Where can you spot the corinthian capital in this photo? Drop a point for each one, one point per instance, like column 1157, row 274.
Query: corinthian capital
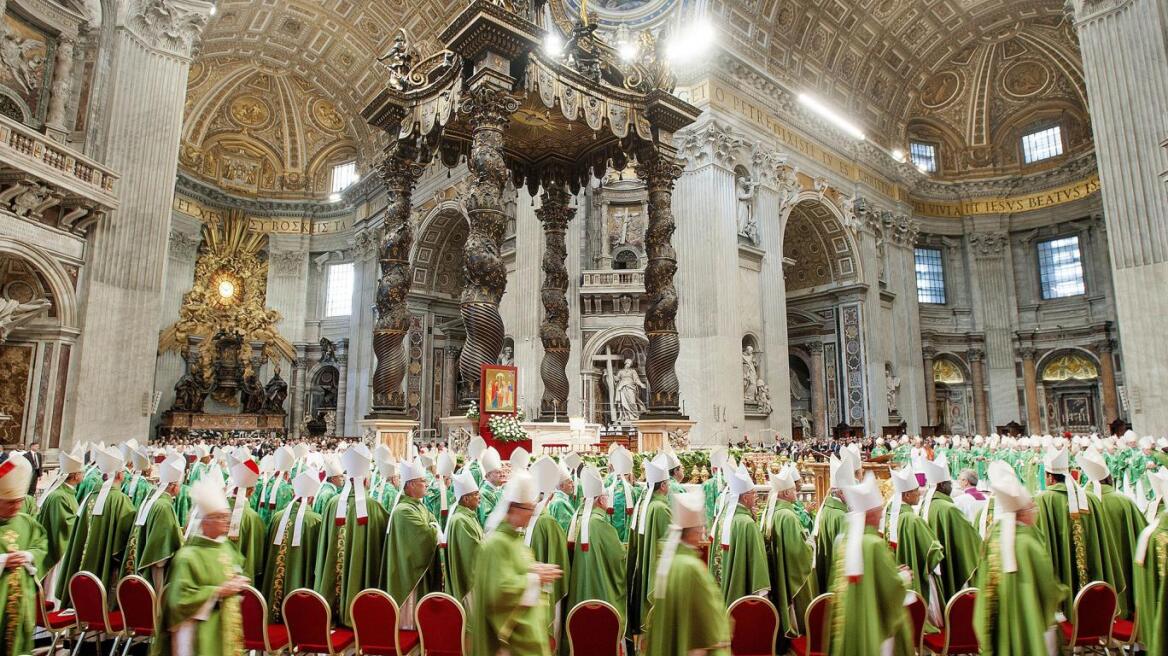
column 169, row 25
column 711, row 143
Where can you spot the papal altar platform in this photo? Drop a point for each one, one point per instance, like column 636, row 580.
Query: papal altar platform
column 174, row 423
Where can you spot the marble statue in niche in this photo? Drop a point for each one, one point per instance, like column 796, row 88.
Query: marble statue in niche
column 749, row 374
column 744, row 188
column 762, row 397
column 13, row 313
column 628, row 386
column 799, row 391
column 507, row 356
column 275, row 392
column 891, row 387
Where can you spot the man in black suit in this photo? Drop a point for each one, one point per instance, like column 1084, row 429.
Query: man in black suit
column 33, row 455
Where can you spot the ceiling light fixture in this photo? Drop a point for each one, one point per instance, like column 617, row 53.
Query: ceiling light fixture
column 829, row 114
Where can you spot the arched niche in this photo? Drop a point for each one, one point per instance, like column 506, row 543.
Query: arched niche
column 437, row 252
column 953, row 381
column 602, row 356
column 1069, row 391
column 818, row 249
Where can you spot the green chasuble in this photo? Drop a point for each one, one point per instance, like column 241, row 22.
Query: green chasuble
column 348, row 556
column 98, row 543
column 865, row 614
column 18, row 614
column 598, row 572
column 288, row 567
column 1124, row 523
column 1013, row 610
column 917, row 549
column 622, row 508
column 137, row 488
column 57, row 515
column 561, row 509
column 508, row 610
column 156, row 541
column 250, row 543
column 182, row 504
column 549, row 544
column 690, row 616
column 960, row 543
column 804, row 516
column 197, row 471
column 463, row 538
column 657, row 519
column 200, row 567
column 1151, row 590
column 488, row 497
column 29, row 506
column 433, row 500
column 410, row 560
column 1080, row 552
column 832, row 521
column 789, row 562
column 327, row 491
column 89, row 483
column 284, row 494
column 712, row 493
column 742, row 567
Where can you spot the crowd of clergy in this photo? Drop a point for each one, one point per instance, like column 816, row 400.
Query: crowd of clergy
column 1032, row 521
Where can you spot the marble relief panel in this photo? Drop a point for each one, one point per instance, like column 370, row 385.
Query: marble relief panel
column 24, row 69
column 16, row 364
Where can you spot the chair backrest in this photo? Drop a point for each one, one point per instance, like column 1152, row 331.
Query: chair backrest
column 441, row 623
column 755, row 625
column 89, row 601
column 917, row 612
column 42, row 619
column 137, row 602
column 374, row 615
column 959, row 630
column 254, row 609
column 816, row 623
column 309, row 621
column 1094, row 613
column 594, row 629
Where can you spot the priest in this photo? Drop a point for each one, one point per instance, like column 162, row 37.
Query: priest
column 489, row 491
column 654, row 515
column 137, row 486
column 622, row 491
column 350, row 548
column 913, row 541
column 562, row 507
column 462, row 536
column 547, row 541
column 99, row 537
column 509, row 611
column 788, row 555
column 959, row 540
column 831, row 519
column 737, row 555
column 277, row 493
column 246, row 530
column 23, row 546
column 334, row 479
column 292, row 544
column 687, row 616
column 202, row 607
column 1018, row 592
column 156, row 535
column 410, row 565
column 58, row 513
column 598, row 557
column 867, row 614
column 1151, row 581
column 1122, row 519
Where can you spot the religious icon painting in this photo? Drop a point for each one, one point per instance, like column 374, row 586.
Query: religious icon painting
column 498, row 385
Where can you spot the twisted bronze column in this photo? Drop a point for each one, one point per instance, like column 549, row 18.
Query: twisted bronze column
column 555, row 214
column 488, row 110
column 659, row 171
column 399, row 171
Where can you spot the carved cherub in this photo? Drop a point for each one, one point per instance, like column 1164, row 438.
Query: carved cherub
column 399, row 59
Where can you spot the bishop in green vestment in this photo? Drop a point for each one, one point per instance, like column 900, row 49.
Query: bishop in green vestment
column 156, row 535
column 201, row 611
column 1151, row 585
column 652, row 527
column 910, row 536
column 687, row 616
column 1018, row 592
column 332, row 484
column 410, row 565
column 246, row 530
column 1123, row 521
column 349, row 552
column 959, row 540
column 489, row 491
column 623, row 492
column 867, row 613
column 58, row 513
column 23, row 545
column 547, row 541
column 598, row 557
column 738, row 556
column 463, row 536
column 291, row 545
column 561, row 507
column 102, row 529
column 788, row 555
column 830, row 521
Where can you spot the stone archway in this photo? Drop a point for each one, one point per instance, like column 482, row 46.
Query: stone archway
column 1069, row 391
column 954, row 389
column 602, row 356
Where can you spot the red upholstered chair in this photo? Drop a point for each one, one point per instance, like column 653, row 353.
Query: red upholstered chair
column 94, row 618
column 958, row 636
column 375, row 620
column 441, row 623
column 57, row 623
column 310, row 624
column 1125, row 633
column 754, row 626
column 917, row 612
column 138, row 605
column 594, row 629
column 814, row 642
column 258, row 634
column 1091, row 618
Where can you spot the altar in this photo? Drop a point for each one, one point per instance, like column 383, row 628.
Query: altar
column 180, row 424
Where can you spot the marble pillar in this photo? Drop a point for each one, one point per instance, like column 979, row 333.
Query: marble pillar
column 928, row 356
column 449, row 380
column 819, row 425
column 342, row 386
column 1124, row 46
column 554, row 213
column 1030, row 390
column 774, row 308
column 126, row 258
column 298, row 393
column 1107, row 383
column 980, row 414
column 993, row 287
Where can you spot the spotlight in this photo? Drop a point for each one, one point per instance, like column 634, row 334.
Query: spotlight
column 898, row 155
column 553, row 45
column 827, row 113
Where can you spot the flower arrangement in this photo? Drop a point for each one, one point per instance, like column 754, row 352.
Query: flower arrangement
column 473, row 411
column 507, row 428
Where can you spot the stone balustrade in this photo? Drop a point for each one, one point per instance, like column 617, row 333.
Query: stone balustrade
column 612, row 291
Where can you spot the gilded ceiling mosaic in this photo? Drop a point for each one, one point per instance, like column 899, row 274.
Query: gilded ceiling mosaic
column 819, row 247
